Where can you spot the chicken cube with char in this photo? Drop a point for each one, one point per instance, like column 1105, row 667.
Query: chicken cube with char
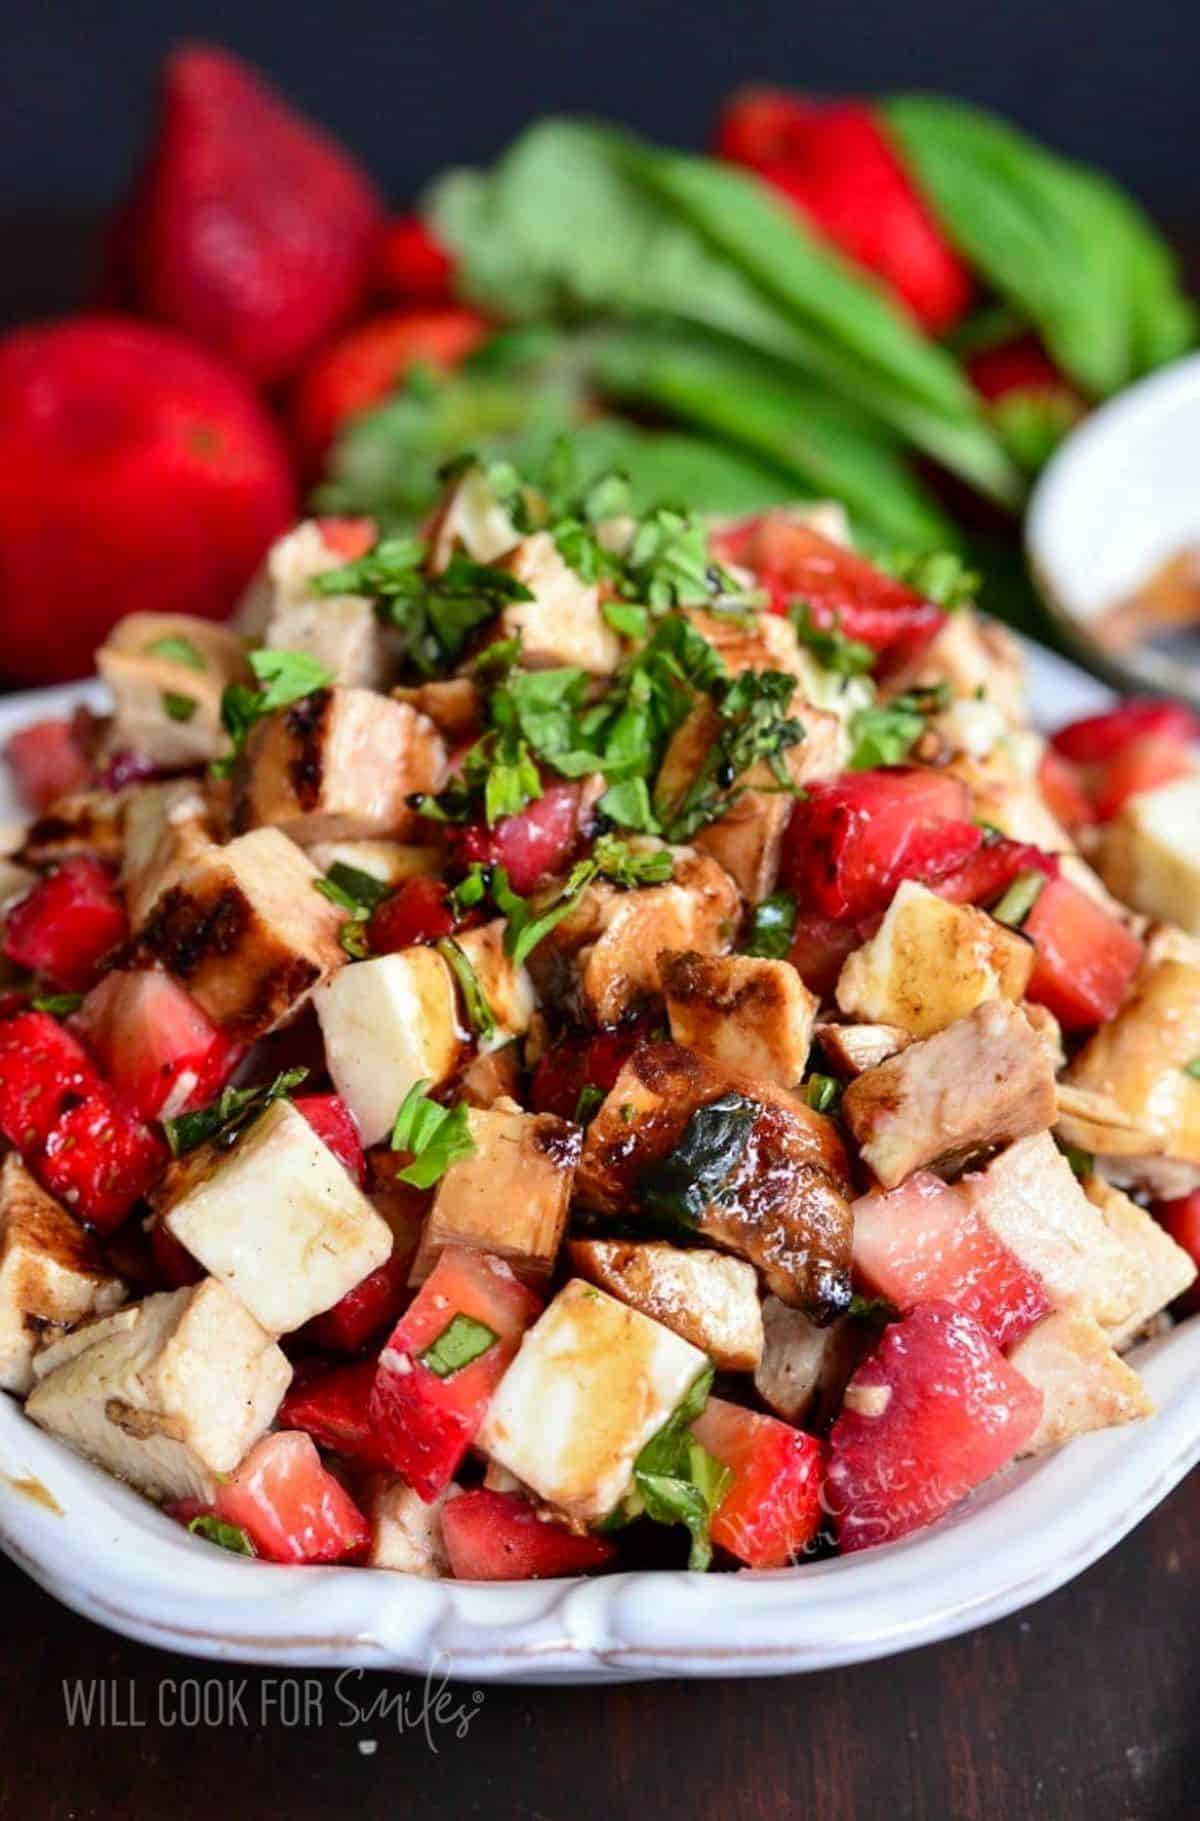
column 930, row 963
column 166, row 827
column 470, row 518
column 982, row 1082
column 406, row 1531
column 1084, row 1383
column 1163, row 1269
column 277, row 1219
column 564, row 623
column 744, row 1012
column 338, row 765
column 508, row 990
column 166, row 1394
column 244, row 930
column 979, row 659
column 167, row 673
column 710, row 1299
column 52, row 1273
column 510, row 1196
column 738, row 1162
column 389, row 1023
column 592, row 1382
column 804, row 1369
column 1150, row 853
column 281, row 611
column 88, row 822
column 453, row 704
column 602, row 959
column 852, row 1049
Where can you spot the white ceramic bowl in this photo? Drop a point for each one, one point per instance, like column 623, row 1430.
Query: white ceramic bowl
column 1120, row 497
column 109, row 1554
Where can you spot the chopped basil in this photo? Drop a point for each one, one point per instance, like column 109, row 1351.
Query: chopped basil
column 352, row 890
column 228, row 1115
column 1019, row 899
column 478, row 1010
column 679, row 1187
column 226, row 1536
column 771, row 927
column 434, row 615
column 822, row 1093
column 755, row 725
column 885, row 734
column 876, row 1311
column 631, row 622
column 178, row 707
column 59, row 1005
column 610, row 858
column 1082, row 1162
column 845, row 657
column 464, row 1339
column 284, row 677
column 436, row 1135
column 1191, row 1068
column 591, row 1099
column 176, row 650
column 939, row 576
column 352, row 939
column 678, row 1481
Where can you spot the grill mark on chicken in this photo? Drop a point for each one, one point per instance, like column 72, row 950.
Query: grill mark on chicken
column 307, row 724
column 184, row 932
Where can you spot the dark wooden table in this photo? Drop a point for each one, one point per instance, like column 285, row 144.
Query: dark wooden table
column 1083, row 1708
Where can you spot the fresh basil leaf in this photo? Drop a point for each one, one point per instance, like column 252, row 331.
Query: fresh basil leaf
column 284, row 677
column 629, row 621
column 829, row 645
column 772, row 924
column 176, row 650
column 352, row 938
column 755, row 725
column 823, row 1093
column 588, row 1103
column 226, row 1117
column 939, row 576
column 627, row 803
column 681, row 1186
column 1019, row 899
column 59, row 1005
column 631, row 867
column 1191, row 1068
column 677, row 1480
column 437, row 1136
column 479, row 1012
column 460, row 1342
column 885, row 733
column 226, row 1536
column 1082, row 1162
column 178, row 707
column 363, row 887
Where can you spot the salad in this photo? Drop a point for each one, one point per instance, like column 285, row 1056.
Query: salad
column 586, row 1039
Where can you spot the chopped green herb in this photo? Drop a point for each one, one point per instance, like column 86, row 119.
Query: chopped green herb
column 479, row 1012
column 631, row 622
column 877, row 1311
column 59, row 1005
column 678, row 1481
column 829, row 645
column 226, row 1536
column 755, row 726
column 885, row 733
column 352, row 938
column 1191, row 1068
column 463, row 1339
column 352, row 890
column 1082, row 1162
column 611, row 858
column 591, row 1099
column 1019, row 899
column 436, row 1135
column 679, row 1187
column 178, row 707
column 939, row 576
column 226, row 1117
column 473, row 889
column 176, row 650
column 771, row 925
column 284, row 677
column 823, row 1093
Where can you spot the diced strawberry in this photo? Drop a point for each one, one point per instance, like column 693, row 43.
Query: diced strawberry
column 498, row 1536
column 291, row 1507
column 43, row 1070
column 47, row 762
column 1142, row 765
column 425, row 1422
column 1062, row 787
column 418, row 912
column 923, row 1242
column 991, row 870
column 795, row 563
column 1181, row 1218
column 772, row 1511
column 539, row 841
column 576, row 1062
column 126, row 767
column 372, row 1305
column 331, row 1403
column 1086, row 960
column 153, row 1042
column 348, row 538
column 67, row 923
column 335, row 1125
column 931, row 1414
column 176, row 1267
column 411, row 265
column 820, row 946
column 1099, row 737
column 850, row 842
column 99, row 1159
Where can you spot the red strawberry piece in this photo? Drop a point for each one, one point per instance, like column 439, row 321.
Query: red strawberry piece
column 1086, row 960
column 291, row 1507
column 47, row 762
column 349, row 538
column 540, row 840
column 135, row 470
column 331, row 1403
column 418, row 912
column 1062, row 786
column 176, row 1267
column 991, row 870
column 364, row 365
column 498, row 1536
column 334, row 1124
column 834, row 162
column 99, row 1159
column 851, row 841
column 1099, row 737
column 576, row 1062
column 66, row 923
column 411, row 265
column 772, row 1509
column 372, row 1305
column 819, row 946
column 43, row 1069
column 931, row 1414
column 251, row 230
column 1143, row 765
column 154, row 1044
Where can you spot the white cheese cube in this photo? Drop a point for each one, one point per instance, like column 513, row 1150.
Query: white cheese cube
column 387, row 1024
column 406, row 1533
column 165, row 1394
column 1084, row 1383
column 279, row 1221
column 1150, row 856
column 52, row 1273
column 593, row 1381
column 510, row 1196
column 1164, row 1270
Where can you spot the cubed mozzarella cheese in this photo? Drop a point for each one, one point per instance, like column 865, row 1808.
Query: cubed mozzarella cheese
column 406, row 1533
column 750, row 1014
column 511, row 1195
column 1084, row 1383
column 507, row 989
column 387, row 1024
column 279, row 1220
column 280, row 610
column 52, row 1273
column 1150, row 855
column 709, row 1299
column 166, row 1394
column 1164, row 1270
column 593, row 1381
column 563, row 624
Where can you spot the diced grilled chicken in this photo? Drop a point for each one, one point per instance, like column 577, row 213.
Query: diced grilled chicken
column 277, row 1219
column 709, row 1299
column 931, row 962
column 510, row 1196
column 280, row 611
column 564, row 623
column 1005, row 793
column 744, row 1012
column 166, row 1394
column 491, row 1076
column 166, row 827
column 406, row 1533
column 244, row 930
column 1031, row 1200
column 507, row 989
column 1084, row 1383
column 979, row 659
column 782, row 1204
column 1164, row 1269
column 804, row 1369
column 387, row 1024
column 339, row 765
column 602, row 960
column 1139, row 1060
column 981, row 1082
column 1049, row 1032
column 167, row 672
column 1150, row 853
column 87, row 823
column 592, row 1382
column 453, row 704
column 852, row 1049
column 1167, row 942
column 757, row 641
column 52, row 1273
column 470, row 518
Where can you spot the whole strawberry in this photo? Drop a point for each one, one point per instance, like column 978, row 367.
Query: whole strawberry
column 135, row 472
column 249, row 229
